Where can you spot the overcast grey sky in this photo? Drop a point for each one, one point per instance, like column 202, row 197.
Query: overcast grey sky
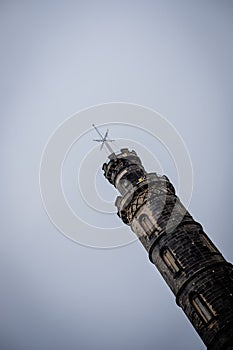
column 58, row 57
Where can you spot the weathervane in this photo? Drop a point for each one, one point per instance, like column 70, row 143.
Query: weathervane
column 104, row 140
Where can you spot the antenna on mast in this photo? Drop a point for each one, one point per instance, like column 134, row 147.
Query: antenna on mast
column 104, row 140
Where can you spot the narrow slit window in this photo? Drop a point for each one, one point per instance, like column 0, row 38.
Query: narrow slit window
column 146, row 224
column 210, row 245
column 170, row 260
column 201, row 308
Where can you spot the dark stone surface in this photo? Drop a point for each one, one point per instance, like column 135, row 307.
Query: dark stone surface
column 193, row 266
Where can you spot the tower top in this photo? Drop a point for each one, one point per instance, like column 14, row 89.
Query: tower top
column 124, row 169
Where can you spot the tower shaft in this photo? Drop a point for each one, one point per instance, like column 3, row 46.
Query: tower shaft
column 194, row 269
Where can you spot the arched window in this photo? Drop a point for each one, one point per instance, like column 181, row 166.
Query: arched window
column 146, row 224
column 201, row 307
column 210, row 244
column 170, row 260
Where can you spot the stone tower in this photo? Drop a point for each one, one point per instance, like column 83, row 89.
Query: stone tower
column 195, row 270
